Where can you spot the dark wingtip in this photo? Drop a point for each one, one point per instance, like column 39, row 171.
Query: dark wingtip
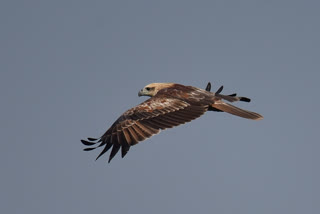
column 100, row 155
column 219, row 90
column 89, row 149
column 92, row 139
column 208, row 88
column 114, row 151
column 110, row 158
column 105, row 149
column 245, row 99
column 87, row 143
column 124, row 150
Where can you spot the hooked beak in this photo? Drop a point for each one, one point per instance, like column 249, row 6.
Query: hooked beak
column 140, row 93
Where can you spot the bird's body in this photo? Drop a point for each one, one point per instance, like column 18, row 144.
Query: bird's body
column 170, row 105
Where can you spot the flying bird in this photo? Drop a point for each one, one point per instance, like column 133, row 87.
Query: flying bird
column 170, row 105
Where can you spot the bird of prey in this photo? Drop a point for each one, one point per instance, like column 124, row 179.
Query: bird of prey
column 170, row 105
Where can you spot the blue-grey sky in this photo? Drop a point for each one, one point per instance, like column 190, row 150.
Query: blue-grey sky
column 70, row 68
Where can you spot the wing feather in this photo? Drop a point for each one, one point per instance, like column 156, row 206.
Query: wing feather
column 108, row 144
column 114, row 151
column 148, row 130
column 145, row 120
column 124, row 150
column 146, row 133
column 170, row 120
column 139, row 132
column 160, row 124
column 127, row 136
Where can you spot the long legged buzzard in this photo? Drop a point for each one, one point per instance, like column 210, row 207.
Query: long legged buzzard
column 170, row 105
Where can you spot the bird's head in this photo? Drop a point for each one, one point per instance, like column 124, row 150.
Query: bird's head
column 153, row 88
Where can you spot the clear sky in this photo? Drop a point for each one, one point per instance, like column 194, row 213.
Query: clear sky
column 70, row 68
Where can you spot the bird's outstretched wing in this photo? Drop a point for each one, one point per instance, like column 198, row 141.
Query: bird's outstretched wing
column 143, row 121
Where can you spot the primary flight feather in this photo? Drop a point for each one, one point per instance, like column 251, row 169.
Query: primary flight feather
column 170, row 105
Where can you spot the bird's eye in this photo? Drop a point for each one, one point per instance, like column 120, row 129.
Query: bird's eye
column 148, row 89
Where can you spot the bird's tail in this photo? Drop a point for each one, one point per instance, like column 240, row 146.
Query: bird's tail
column 226, row 107
column 219, row 105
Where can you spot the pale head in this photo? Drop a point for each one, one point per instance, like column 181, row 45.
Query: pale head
column 153, row 88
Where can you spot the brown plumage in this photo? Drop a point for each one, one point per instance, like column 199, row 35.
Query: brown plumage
column 170, row 105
